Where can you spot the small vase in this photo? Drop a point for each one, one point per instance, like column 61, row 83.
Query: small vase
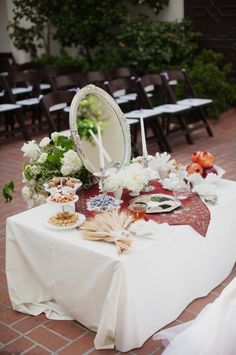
column 118, row 193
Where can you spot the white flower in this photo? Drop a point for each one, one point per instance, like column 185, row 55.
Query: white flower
column 44, row 142
column 43, row 157
column 26, row 192
column 113, row 181
column 54, row 136
column 134, row 177
column 66, row 170
column 70, row 163
column 35, row 170
column 31, row 150
column 162, row 163
column 40, row 199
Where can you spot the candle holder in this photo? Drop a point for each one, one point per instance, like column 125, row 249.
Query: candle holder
column 101, row 176
column 147, row 187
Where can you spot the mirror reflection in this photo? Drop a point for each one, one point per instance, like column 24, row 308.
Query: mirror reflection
column 94, row 110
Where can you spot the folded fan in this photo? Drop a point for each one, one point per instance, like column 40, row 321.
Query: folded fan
column 109, row 226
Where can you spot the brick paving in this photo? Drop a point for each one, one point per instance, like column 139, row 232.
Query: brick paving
column 23, row 334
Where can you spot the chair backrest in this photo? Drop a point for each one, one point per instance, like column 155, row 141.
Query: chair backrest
column 29, row 66
column 7, row 62
column 95, row 77
column 67, row 82
column 154, row 80
column 126, row 84
column 8, row 96
column 24, row 79
column 52, row 99
column 122, row 72
column 129, row 86
column 181, row 77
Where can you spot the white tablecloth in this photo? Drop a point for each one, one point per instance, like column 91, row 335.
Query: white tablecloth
column 124, row 298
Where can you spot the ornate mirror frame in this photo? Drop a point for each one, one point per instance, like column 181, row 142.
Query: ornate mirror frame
column 103, row 95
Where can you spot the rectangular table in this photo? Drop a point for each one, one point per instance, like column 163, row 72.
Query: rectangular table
column 124, row 298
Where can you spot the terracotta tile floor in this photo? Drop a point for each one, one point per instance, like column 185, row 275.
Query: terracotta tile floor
column 23, row 334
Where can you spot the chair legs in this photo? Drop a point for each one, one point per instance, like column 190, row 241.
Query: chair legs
column 185, row 128
column 22, row 125
column 161, row 138
column 205, row 122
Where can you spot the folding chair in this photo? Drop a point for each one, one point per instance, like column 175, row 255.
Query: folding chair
column 11, row 111
column 70, row 81
column 53, row 105
column 95, row 77
column 190, row 98
column 122, row 72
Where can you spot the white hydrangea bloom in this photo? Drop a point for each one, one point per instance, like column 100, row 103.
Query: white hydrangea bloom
column 35, row 170
column 54, row 136
column 70, row 163
column 42, row 158
column 66, row 170
column 26, row 192
column 40, row 199
column 134, row 177
column 44, row 142
column 31, row 150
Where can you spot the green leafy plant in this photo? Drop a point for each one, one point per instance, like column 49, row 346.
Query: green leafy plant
column 148, row 46
column 7, row 191
column 52, row 157
column 212, row 80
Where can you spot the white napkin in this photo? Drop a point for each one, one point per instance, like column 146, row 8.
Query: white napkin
column 147, row 229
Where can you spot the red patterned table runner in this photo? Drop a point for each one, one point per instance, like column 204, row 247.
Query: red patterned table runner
column 193, row 211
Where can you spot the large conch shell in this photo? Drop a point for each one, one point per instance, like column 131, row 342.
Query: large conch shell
column 111, row 227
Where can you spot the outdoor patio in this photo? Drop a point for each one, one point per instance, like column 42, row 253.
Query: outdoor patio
column 23, row 334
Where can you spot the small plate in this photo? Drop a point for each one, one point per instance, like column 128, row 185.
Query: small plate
column 62, row 203
column 157, row 203
column 64, row 188
column 81, row 220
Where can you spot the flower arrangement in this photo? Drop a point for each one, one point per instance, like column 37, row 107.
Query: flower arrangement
column 132, row 177
column 54, row 156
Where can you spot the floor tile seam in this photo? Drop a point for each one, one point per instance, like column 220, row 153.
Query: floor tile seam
column 31, row 329
column 159, row 348
column 192, row 312
column 37, row 344
column 6, row 305
column 29, row 349
column 79, row 325
column 87, row 352
column 11, row 341
column 59, row 334
column 16, row 322
column 73, row 341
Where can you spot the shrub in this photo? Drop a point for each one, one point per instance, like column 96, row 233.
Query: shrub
column 211, row 79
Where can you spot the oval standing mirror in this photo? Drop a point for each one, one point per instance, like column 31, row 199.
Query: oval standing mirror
column 90, row 107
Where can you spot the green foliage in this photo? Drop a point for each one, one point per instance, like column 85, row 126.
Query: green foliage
column 211, row 79
column 64, row 60
column 7, row 191
column 85, row 25
column 35, row 34
column 90, row 114
column 50, row 158
column 147, row 46
column 156, row 5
